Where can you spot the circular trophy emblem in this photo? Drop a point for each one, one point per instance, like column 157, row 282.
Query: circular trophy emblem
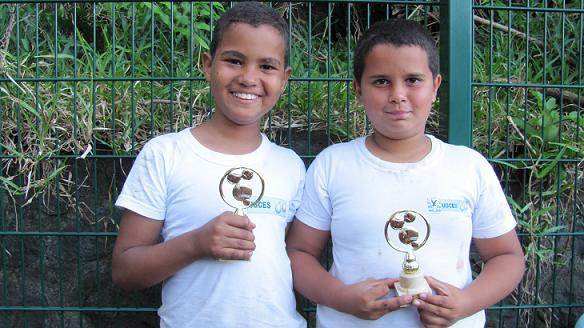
column 407, row 231
column 240, row 188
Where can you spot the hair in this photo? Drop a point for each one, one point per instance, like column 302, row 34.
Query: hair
column 395, row 32
column 255, row 14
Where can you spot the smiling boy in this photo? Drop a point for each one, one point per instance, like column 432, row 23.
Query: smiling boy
column 172, row 191
column 352, row 188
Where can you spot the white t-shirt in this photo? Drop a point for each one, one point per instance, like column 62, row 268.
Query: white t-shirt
column 351, row 193
column 176, row 179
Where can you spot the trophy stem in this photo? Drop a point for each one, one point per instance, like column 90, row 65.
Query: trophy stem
column 239, row 211
column 410, row 264
column 412, row 281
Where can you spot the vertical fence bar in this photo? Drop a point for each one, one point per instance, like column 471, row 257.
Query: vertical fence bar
column 456, row 56
column 190, row 54
column 20, row 199
column 577, row 188
column 349, row 73
column 289, row 86
column 4, row 253
column 133, row 72
column 309, row 94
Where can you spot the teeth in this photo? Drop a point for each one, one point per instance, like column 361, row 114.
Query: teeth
column 246, row 96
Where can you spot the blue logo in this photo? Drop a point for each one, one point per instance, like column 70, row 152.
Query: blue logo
column 270, row 205
column 436, row 205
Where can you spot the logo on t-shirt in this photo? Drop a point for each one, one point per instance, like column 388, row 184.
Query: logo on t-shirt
column 436, row 205
column 270, row 205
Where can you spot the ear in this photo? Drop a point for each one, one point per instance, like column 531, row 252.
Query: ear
column 437, row 82
column 357, row 89
column 207, row 62
column 287, row 74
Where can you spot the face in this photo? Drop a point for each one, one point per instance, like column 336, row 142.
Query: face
column 397, row 90
column 247, row 73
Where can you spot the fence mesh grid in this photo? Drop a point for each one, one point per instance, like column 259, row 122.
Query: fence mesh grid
column 84, row 85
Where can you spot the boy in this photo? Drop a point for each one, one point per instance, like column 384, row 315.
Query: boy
column 352, row 188
column 173, row 191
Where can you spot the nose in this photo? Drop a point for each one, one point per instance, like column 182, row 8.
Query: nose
column 397, row 94
column 248, row 76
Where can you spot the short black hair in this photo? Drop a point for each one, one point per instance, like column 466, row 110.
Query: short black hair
column 255, row 14
column 396, row 32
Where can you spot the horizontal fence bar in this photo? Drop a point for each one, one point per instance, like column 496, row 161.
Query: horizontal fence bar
column 536, row 306
column 497, row 160
column 535, row 9
column 96, row 234
column 528, row 85
column 75, row 309
column 396, row 2
column 57, row 233
column 509, row 307
column 560, row 234
column 154, row 78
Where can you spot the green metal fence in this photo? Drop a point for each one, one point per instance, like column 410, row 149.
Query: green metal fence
column 83, row 85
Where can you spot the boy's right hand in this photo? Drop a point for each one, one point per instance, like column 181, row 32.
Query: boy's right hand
column 227, row 237
column 366, row 300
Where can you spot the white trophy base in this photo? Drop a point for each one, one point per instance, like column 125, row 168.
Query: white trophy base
column 412, row 284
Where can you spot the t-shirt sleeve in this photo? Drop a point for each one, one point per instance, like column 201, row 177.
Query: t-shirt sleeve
column 492, row 216
column 145, row 187
column 316, row 209
column 295, row 202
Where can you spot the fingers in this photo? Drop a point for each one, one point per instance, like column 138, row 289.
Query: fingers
column 440, row 287
column 424, row 304
column 228, row 237
column 430, row 320
column 232, row 249
column 395, row 303
column 238, row 221
column 379, row 305
column 380, row 288
column 234, row 254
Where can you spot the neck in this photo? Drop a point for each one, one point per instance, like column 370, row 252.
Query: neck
column 408, row 150
column 228, row 138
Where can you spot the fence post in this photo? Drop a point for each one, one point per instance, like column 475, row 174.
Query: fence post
column 456, row 61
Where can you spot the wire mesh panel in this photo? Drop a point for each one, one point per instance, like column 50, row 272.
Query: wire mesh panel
column 84, row 85
column 527, row 103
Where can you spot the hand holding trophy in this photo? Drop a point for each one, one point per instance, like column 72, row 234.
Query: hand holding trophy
column 407, row 231
column 240, row 188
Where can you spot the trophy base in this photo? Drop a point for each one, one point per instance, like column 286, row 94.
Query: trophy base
column 412, row 284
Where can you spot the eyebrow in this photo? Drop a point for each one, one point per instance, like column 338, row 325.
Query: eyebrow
column 382, row 76
column 236, row 54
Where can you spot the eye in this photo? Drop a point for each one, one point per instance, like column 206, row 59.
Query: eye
column 413, row 80
column 268, row 67
column 381, row 82
column 233, row 61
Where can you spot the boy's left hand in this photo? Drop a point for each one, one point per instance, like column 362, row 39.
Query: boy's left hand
column 444, row 308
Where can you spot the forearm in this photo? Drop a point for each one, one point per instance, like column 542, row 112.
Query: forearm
column 499, row 276
column 312, row 280
column 144, row 266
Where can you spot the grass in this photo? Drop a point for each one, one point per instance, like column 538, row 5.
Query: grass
column 531, row 126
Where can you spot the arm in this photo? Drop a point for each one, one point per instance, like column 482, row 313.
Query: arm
column 140, row 260
column 503, row 269
column 305, row 245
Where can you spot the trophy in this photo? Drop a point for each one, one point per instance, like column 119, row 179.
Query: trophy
column 407, row 231
column 240, row 188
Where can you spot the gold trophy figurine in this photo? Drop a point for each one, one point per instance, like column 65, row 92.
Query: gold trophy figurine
column 240, row 188
column 407, row 231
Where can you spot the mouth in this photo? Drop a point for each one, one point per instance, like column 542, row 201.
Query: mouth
column 399, row 114
column 245, row 96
